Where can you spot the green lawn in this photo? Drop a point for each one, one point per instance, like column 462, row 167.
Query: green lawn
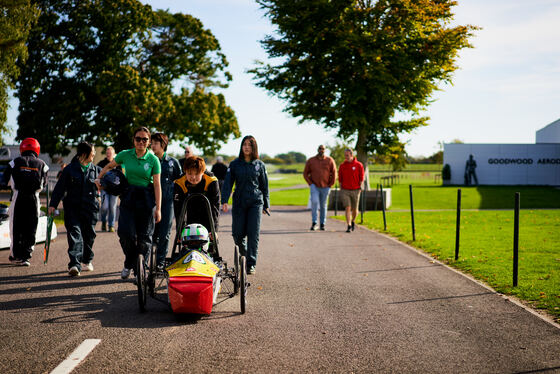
column 486, row 248
column 298, row 196
column 483, row 197
column 278, row 180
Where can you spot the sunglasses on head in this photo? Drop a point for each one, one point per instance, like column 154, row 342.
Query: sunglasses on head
column 139, row 139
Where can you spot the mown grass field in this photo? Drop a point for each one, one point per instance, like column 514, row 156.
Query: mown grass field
column 481, row 197
column 486, row 248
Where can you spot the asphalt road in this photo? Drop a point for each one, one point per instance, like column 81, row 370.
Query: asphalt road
column 320, row 302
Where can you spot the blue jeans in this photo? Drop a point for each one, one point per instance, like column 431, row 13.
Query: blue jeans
column 319, row 201
column 245, row 229
column 108, row 209
column 80, row 233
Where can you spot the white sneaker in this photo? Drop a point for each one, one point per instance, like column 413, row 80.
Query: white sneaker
column 125, row 273
column 87, row 267
column 74, row 272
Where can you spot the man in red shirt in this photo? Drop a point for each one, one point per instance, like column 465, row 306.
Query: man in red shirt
column 320, row 174
column 351, row 177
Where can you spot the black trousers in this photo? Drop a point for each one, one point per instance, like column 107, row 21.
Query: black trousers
column 136, row 224
column 24, row 217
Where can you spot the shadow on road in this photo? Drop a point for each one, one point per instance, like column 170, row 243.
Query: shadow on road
column 444, row 298
column 112, row 309
column 396, row 269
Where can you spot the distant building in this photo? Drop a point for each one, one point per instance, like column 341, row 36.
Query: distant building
column 549, row 133
column 509, row 164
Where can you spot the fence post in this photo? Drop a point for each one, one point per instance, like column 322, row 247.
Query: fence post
column 412, row 213
column 516, row 239
column 335, row 199
column 376, row 193
column 383, row 208
column 458, row 229
column 364, row 205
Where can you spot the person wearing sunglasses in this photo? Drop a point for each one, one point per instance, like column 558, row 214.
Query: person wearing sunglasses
column 140, row 207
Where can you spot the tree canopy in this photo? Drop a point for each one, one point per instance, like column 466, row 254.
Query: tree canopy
column 352, row 65
column 97, row 69
column 16, row 19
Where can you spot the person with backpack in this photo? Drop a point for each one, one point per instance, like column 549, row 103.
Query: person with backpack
column 27, row 176
column 80, row 197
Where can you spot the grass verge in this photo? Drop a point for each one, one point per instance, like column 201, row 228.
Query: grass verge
column 486, row 248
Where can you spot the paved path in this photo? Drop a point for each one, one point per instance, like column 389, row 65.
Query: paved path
column 320, row 302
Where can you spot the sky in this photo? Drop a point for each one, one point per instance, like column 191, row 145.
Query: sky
column 507, row 86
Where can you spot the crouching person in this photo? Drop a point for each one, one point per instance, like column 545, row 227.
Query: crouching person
column 80, row 198
column 195, row 180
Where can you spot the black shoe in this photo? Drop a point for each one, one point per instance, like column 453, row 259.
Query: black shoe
column 349, row 229
column 313, row 227
column 353, row 226
column 322, row 227
column 103, row 227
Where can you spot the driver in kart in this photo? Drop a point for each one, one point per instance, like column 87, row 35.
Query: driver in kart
column 196, row 181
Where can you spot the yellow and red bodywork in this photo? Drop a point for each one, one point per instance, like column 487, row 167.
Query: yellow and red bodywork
column 192, row 283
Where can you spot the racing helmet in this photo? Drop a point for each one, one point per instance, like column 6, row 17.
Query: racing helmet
column 114, row 182
column 30, row 144
column 195, row 236
column 3, row 212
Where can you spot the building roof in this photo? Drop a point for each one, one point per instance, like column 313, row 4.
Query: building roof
column 550, row 133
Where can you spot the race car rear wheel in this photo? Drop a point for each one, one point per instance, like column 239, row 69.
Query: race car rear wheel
column 152, row 272
column 141, row 282
column 243, row 283
column 236, row 269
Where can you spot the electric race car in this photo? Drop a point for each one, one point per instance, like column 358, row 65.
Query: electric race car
column 194, row 274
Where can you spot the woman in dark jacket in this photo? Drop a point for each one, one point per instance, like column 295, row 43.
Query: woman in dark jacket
column 250, row 199
column 80, row 198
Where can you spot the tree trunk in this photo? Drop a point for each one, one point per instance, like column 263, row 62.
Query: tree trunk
column 362, row 156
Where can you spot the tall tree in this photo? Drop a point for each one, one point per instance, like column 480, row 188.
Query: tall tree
column 16, row 19
column 97, row 69
column 352, row 65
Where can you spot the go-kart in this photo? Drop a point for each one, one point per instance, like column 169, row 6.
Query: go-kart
column 192, row 278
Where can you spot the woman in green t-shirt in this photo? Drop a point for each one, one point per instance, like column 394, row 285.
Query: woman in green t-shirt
column 140, row 207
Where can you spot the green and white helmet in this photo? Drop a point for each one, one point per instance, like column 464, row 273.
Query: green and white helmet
column 195, row 236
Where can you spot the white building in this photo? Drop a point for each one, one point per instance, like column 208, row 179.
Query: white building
column 509, row 164
column 549, row 133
